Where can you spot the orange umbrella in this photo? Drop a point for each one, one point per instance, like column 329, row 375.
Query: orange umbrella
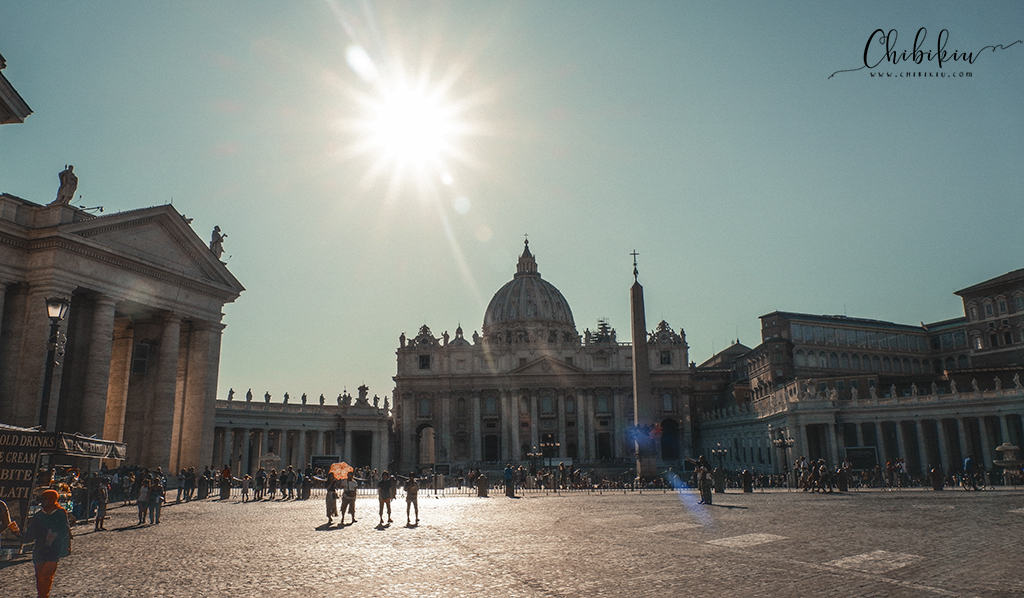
column 340, row 470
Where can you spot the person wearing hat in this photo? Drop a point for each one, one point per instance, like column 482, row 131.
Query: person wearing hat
column 50, row 531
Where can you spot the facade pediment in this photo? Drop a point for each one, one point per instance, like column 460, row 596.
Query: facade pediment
column 546, row 366
column 157, row 236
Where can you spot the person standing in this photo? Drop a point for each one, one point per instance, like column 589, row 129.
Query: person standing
column 510, row 483
column 156, row 500
column 102, row 494
column 412, row 490
column 143, row 501
column 332, row 498
column 349, row 486
column 51, row 533
column 384, row 494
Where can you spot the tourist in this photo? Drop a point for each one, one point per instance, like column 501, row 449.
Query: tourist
column 273, row 483
column 143, row 501
column 261, row 483
column 412, row 489
column 102, row 494
column 51, row 533
column 156, row 500
column 190, row 483
column 225, row 483
column 509, row 477
column 332, row 498
column 349, row 486
column 385, row 489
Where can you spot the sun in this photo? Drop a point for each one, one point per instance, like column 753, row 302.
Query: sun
column 407, row 127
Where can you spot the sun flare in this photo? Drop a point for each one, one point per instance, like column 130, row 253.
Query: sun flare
column 407, row 127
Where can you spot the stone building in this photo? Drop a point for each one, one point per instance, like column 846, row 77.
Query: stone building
column 141, row 341
column 248, row 433
column 835, row 387
column 531, row 385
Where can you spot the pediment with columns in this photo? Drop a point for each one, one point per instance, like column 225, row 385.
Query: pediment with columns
column 546, row 366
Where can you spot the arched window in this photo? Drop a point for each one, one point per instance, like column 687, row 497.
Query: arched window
column 886, row 365
column 822, row 360
column 876, row 363
column 844, row 361
column 833, row 361
column 949, row 363
column 856, row 361
column 798, row 359
column 961, row 361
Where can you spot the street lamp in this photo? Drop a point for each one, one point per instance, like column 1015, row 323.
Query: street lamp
column 783, row 442
column 720, row 452
column 533, row 455
column 56, row 309
column 545, row 446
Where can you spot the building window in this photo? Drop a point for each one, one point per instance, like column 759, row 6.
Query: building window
column 424, row 362
column 1018, row 303
column 570, row 405
column 568, row 360
column 666, row 358
column 602, row 405
column 667, row 404
column 1007, row 338
column 1002, row 306
column 140, row 358
column 988, row 309
column 491, row 406
column 425, row 408
column 972, row 312
column 547, row 405
column 461, row 406
column 993, row 340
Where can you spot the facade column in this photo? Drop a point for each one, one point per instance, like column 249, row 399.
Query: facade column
column 922, row 447
column 201, row 391
column 986, row 446
column 534, row 422
column 264, row 446
column 804, row 446
column 940, row 437
column 505, row 425
column 246, row 441
column 476, row 441
column 581, row 427
column 833, row 444
column 117, row 382
column 218, row 442
column 516, row 440
column 880, row 443
column 617, row 420
column 348, row 446
column 901, row 446
column 301, row 453
column 446, row 428
column 560, row 407
column 1004, row 428
column 962, row 434
column 161, row 404
column 860, row 434
column 591, row 429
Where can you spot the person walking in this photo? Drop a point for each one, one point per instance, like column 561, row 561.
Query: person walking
column 412, row 490
column 51, row 533
column 102, row 494
column 142, row 501
column 332, row 498
column 156, row 500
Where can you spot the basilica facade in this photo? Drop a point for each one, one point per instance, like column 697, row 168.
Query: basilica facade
column 532, row 389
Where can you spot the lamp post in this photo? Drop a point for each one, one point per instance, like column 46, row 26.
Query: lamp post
column 533, row 455
column 720, row 452
column 545, row 446
column 719, row 474
column 56, row 309
column 783, row 442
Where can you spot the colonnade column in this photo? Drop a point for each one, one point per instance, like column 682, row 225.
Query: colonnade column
column 161, row 405
column 940, row 428
column 922, row 447
column 476, row 440
column 860, row 434
column 804, row 447
column 986, row 446
column 1004, row 428
column 97, row 372
column 833, row 443
column 117, row 380
column 246, row 441
column 880, row 443
column 264, row 446
column 962, row 433
column 901, row 447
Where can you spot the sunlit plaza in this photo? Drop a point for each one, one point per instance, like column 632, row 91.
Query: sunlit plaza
column 638, row 299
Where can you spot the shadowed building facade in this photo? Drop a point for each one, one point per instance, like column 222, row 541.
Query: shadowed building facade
column 532, row 385
column 141, row 340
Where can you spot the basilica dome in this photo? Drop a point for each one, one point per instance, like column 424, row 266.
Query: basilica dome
column 528, row 298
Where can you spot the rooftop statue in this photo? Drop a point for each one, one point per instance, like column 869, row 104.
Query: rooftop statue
column 322, row 398
column 217, row 242
column 303, row 398
column 266, row 397
column 231, row 394
column 68, row 184
column 248, row 396
column 286, row 398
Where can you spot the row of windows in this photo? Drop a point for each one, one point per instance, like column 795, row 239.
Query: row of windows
column 874, row 363
column 995, row 307
column 828, row 335
column 545, row 405
column 996, row 340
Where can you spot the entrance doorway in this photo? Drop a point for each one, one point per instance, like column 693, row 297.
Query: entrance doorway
column 362, row 449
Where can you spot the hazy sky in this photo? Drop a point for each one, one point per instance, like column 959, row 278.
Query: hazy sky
column 707, row 136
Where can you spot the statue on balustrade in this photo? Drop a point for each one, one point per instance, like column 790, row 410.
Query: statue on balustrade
column 322, row 398
column 913, row 390
column 248, row 396
column 303, row 398
column 974, row 385
column 285, row 398
column 952, row 387
column 266, row 397
column 231, row 394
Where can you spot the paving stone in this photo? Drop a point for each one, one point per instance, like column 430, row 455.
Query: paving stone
column 564, row 545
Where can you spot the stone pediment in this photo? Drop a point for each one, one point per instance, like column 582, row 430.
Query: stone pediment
column 546, row 366
column 158, row 236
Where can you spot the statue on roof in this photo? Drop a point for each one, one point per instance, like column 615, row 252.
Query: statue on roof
column 217, row 242
column 231, row 394
column 322, row 399
column 266, row 397
column 401, row 340
column 286, row 398
column 303, row 398
column 248, row 396
column 68, row 184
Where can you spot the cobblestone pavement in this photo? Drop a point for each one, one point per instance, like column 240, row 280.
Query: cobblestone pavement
column 910, row 543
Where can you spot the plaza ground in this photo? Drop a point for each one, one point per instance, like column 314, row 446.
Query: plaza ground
column 908, row 543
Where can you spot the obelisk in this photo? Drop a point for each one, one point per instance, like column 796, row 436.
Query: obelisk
column 643, row 408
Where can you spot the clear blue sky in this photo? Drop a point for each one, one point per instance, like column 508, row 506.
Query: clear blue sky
column 707, row 136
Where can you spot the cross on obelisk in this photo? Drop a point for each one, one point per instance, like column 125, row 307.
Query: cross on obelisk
column 636, row 273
